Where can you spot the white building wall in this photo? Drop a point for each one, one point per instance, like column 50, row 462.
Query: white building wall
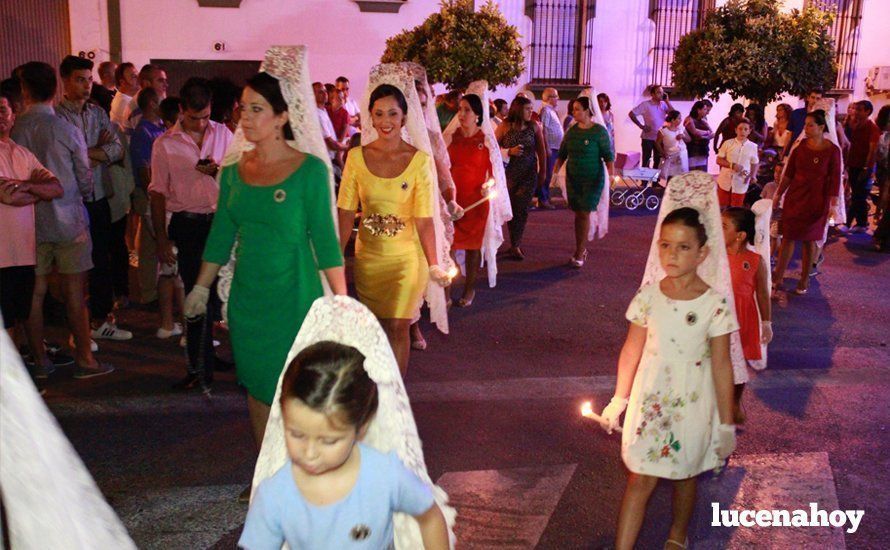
column 343, row 40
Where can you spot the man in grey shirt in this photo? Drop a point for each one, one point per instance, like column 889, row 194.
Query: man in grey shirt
column 103, row 148
column 63, row 241
column 553, row 134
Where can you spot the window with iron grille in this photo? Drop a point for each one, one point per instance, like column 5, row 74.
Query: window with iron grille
column 673, row 19
column 561, row 41
column 845, row 32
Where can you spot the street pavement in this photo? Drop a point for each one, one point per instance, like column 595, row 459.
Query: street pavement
column 497, row 405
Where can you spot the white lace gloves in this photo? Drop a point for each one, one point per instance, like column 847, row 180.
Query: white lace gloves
column 612, row 412
column 455, row 210
column 766, row 332
column 196, row 302
column 439, row 276
column 725, row 441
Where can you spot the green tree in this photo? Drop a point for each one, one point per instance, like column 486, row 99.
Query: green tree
column 749, row 48
column 458, row 45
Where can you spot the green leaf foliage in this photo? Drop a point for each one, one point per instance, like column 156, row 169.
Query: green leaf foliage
column 749, row 48
column 458, row 45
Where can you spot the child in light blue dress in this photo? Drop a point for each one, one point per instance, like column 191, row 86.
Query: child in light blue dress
column 335, row 492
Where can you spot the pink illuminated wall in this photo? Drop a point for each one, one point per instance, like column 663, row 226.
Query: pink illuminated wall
column 343, row 40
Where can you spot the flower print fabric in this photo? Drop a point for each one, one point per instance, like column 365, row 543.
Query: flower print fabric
column 670, row 428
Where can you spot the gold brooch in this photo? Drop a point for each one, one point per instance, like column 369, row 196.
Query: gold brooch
column 388, row 225
column 279, row 195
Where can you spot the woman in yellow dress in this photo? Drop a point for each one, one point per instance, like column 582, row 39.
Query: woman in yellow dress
column 396, row 249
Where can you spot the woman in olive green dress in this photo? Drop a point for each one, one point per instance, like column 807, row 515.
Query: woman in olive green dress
column 584, row 149
column 277, row 201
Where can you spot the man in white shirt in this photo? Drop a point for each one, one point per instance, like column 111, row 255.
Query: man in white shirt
column 553, row 134
column 327, row 127
column 150, row 76
column 653, row 112
column 127, row 80
column 350, row 105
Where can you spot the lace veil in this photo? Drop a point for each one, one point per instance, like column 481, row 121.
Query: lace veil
column 763, row 212
column 698, row 190
column 499, row 211
column 599, row 219
column 828, row 105
column 416, row 134
column 345, row 320
column 50, row 499
column 290, row 66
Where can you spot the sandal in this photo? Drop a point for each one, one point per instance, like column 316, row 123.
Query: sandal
column 466, row 302
column 578, row 263
column 671, row 543
column 800, row 291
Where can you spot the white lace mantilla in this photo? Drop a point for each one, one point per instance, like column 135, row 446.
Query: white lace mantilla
column 50, row 498
column 763, row 213
column 698, row 190
column 499, row 211
column 346, row 321
column 415, row 133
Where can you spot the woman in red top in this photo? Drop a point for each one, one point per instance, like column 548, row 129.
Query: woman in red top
column 470, row 168
column 810, row 187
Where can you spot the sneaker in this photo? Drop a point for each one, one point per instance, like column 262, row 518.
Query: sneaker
column 163, row 333
column 94, row 347
column 60, row 359
column 89, row 372
column 40, row 372
column 109, row 331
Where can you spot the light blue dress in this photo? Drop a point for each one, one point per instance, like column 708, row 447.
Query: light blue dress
column 361, row 520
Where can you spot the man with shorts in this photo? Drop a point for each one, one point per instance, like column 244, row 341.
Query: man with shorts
column 63, row 238
column 23, row 182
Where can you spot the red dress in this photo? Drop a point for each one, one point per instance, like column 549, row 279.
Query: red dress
column 815, row 179
column 743, row 269
column 470, row 168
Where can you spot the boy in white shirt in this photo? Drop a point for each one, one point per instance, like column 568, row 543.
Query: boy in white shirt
column 738, row 163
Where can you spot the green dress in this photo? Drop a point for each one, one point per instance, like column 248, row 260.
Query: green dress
column 586, row 150
column 285, row 235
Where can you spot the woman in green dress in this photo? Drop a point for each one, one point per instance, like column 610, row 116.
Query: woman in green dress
column 584, row 149
column 277, row 201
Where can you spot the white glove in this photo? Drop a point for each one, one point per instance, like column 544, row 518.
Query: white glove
column 456, row 211
column 612, row 412
column 725, row 441
column 766, row 332
column 439, row 275
column 196, row 302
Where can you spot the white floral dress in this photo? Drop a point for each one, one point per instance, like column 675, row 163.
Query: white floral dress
column 670, row 428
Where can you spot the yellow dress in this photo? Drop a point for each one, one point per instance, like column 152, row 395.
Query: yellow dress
column 391, row 271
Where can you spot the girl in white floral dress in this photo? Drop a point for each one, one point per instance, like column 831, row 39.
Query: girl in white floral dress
column 675, row 380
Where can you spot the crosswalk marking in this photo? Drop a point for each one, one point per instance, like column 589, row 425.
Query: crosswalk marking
column 508, row 389
column 505, row 508
column 180, row 517
column 782, row 481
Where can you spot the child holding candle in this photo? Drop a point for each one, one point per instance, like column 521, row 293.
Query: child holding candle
column 675, row 375
column 750, row 287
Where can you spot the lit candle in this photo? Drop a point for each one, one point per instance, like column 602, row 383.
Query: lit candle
column 587, row 412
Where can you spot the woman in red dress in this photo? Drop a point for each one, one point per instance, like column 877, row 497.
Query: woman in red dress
column 810, row 187
column 470, row 168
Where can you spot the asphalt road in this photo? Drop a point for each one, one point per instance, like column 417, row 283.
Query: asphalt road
column 496, row 403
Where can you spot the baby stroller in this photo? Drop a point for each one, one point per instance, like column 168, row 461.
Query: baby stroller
column 633, row 185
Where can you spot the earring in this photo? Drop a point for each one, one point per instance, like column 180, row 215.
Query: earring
column 278, row 133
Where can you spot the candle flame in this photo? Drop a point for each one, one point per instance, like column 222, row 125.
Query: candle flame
column 586, row 408
column 488, row 184
column 492, row 195
column 452, row 273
